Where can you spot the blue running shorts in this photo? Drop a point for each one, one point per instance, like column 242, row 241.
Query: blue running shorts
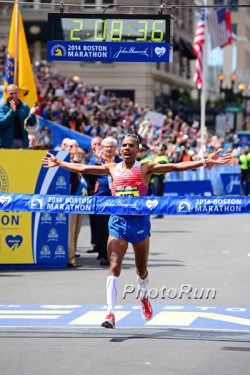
column 129, row 228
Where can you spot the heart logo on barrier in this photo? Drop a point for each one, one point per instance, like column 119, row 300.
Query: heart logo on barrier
column 160, row 51
column 151, row 204
column 14, row 242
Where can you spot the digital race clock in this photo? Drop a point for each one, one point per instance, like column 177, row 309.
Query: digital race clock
column 102, row 37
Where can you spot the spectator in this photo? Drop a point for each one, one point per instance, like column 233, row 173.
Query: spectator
column 95, row 149
column 15, row 116
column 32, row 141
column 75, row 220
column 45, row 137
column 102, row 186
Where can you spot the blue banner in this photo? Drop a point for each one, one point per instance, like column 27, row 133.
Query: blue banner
column 109, row 51
column 193, row 205
column 60, row 132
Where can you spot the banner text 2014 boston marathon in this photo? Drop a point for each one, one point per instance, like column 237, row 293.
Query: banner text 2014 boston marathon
column 109, row 52
column 191, row 205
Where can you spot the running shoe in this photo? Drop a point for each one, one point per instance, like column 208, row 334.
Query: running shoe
column 146, row 309
column 109, row 321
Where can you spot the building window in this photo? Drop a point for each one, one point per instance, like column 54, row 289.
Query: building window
column 234, row 28
column 219, row 2
column 95, row 3
column 235, row 5
column 33, row 4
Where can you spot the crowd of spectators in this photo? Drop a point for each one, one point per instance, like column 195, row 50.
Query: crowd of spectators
column 90, row 110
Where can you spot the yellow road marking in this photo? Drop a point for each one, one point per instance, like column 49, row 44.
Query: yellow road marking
column 187, row 318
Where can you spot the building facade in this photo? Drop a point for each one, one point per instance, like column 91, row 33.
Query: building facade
column 154, row 85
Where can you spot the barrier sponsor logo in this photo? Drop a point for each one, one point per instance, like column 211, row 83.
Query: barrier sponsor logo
column 58, row 50
column 61, row 218
column 184, row 206
column 120, row 203
column 36, row 203
column 45, row 252
column 151, row 204
column 59, row 252
column 14, row 242
column 160, row 51
column 61, row 183
column 5, row 200
column 231, row 183
column 46, row 218
column 53, row 235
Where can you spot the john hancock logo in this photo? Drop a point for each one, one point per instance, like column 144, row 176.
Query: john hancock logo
column 14, row 242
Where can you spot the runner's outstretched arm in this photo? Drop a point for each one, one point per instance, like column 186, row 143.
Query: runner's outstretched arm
column 213, row 159
column 50, row 161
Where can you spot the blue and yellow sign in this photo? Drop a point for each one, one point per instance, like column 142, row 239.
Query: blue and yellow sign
column 110, row 38
column 32, row 238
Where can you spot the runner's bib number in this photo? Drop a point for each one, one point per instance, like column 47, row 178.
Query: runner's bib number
column 127, row 191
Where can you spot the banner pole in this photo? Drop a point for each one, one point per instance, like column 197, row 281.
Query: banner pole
column 203, row 96
column 16, row 44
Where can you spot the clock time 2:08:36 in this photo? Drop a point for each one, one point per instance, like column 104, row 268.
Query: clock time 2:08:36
column 111, row 30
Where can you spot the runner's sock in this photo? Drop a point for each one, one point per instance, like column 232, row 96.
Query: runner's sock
column 112, row 289
column 142, row 288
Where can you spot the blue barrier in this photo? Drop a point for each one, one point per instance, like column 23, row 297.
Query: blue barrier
column 214, row 175
column 175, row 188
column 193, row 205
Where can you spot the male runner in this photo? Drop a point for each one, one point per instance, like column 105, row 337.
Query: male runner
column 133, row 177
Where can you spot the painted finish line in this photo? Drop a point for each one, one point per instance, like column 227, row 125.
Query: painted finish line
column 127, row 316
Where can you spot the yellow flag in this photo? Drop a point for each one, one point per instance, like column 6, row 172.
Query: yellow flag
column 24, row 75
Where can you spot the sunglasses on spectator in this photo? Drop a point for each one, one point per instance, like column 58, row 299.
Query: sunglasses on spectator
column 132, row 136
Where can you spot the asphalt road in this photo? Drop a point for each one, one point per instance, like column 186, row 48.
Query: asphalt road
column 204, row 252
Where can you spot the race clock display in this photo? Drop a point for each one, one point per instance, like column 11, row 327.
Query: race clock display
column 109, row 37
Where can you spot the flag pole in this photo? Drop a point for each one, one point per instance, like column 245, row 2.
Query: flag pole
column 16, row 44
column 203, row 95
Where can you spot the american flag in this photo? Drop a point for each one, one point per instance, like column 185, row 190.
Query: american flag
column 220, row 27
column 199, row 40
